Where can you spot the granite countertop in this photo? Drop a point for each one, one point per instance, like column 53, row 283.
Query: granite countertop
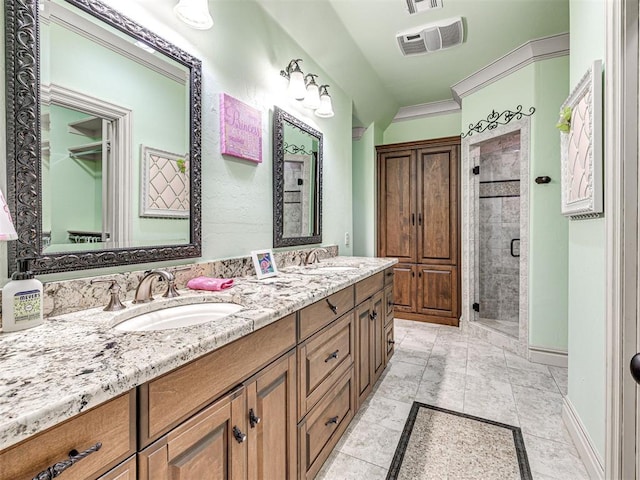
column 77, row 361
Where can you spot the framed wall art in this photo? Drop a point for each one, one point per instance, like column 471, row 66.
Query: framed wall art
column 240, row 129
column 581, row 147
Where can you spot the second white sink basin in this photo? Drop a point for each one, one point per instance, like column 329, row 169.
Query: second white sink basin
column 178, row 316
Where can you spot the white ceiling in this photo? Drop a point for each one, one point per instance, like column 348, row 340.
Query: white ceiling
column 355, row 41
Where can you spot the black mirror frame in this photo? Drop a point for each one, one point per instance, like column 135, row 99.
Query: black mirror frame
column 24, row 189
column 279, row 117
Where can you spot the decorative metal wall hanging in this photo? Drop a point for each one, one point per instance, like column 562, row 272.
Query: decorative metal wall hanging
column 296, row 149
column 494, row 119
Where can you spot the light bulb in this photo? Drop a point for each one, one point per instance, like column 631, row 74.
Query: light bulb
column 194, row 13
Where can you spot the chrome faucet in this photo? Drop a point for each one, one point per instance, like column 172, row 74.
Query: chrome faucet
column 143, row 291
column 312, row 256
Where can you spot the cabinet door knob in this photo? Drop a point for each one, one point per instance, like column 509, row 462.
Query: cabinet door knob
column 373, row 315
column 56, row 469
column 238, row 435
column 331, row 421
column 391, row 342
column 333, row 308
column 253, row 418
column 332, row 356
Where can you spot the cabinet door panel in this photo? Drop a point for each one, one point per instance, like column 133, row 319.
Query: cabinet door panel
column 438, row 291
column 376, row 344
column 397, row 205
column 404, row 288
column 438, row 205
column 388, row 304
column 203, row 447
column 389, row 343
column 271, row 398
column 364, row 378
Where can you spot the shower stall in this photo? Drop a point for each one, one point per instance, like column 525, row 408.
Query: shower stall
column 495, row 237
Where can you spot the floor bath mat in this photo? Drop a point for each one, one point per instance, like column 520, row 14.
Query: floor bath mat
column 442, row 444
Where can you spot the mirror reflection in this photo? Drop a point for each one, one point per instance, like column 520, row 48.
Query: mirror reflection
column 115, row 138
column 297, row 181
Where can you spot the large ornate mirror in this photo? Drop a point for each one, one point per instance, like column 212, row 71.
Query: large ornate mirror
column 103, row 138
column 297, row 181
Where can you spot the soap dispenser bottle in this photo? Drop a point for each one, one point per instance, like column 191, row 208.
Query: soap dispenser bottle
column 21, row 300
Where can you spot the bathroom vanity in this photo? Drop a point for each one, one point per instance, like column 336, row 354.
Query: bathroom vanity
column 263, row 393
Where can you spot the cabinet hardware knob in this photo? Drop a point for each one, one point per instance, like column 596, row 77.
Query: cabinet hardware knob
column 333, row 308
column 389, row 274
column 253, row 418
column 390, row 303
column 413, row 219
column 332, row 356
column 331, row 421
column 373, row 315
column 391, row 342
column 543, row 179
column 419, row 219
column 238, row 435
column 74, row 456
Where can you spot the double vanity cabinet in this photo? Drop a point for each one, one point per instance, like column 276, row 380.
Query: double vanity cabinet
column 270, row 405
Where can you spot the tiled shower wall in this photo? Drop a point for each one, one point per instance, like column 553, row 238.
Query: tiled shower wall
column 499, row 219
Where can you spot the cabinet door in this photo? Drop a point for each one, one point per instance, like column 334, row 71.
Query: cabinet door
column 397, row 209
column 211, row 445
column 364, row 377
column 376, row 341
column 124, row 471
column 404, row 288
column 388, row 304
column 389, row 343
column 438, row 290
column 271, row 410
column 438, row 205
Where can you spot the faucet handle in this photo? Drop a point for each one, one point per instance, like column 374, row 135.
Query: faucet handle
column 114, row 290
column 171, row 289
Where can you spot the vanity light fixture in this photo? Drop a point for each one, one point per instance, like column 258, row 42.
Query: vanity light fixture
column 7, row 230
column 194, row 13
column 294, row 74
column 312, row 97
column 325, row 110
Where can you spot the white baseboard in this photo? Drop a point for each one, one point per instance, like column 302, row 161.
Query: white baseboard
column 549, row 356
column 582, row 441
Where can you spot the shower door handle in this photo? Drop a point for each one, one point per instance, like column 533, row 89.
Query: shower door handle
column 511, row 247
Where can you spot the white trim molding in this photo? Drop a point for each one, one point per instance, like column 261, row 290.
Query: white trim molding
column 581, row 440
column 529, row 52
column 357, row 132
column 549, row 356
column 423, row 110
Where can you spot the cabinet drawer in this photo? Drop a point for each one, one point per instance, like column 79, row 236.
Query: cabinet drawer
column 172, row 398
column 112, row 424
column 323, row 359
column 325, row 424
column 369, row 286
column 322, row 313
column 388, row 276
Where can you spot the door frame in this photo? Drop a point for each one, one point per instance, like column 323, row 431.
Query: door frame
column 621, row 223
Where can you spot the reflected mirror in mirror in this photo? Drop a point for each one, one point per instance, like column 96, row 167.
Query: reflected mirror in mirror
column 103, row 155
column 297, row 181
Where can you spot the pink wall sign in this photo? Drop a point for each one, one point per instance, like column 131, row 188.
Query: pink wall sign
column 240, row 129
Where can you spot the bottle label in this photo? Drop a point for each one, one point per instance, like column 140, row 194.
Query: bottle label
column 26, row 306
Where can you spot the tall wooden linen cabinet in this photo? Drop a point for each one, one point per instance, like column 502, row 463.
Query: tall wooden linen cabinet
column 418, row 223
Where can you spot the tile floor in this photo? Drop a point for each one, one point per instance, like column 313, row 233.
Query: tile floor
column 440, row 366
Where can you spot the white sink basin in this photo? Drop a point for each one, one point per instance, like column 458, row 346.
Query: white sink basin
column 178, row 316
column 330, row 269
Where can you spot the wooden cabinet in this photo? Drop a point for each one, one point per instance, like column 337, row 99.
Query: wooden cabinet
column 125, row 471
column 370, row 319
column 418, row 223
column 271, row 418
column 211, row 445
column 111, row 424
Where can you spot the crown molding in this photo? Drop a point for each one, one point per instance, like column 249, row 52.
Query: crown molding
column 532, row 51
column 426, row 110
column 357, row 132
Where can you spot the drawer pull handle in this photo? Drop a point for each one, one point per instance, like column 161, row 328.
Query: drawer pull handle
column 74, row 456
column 331, row 421
column 373, row 315
column 333, row 308
column 253, row 418
column 389, row 274
column 332, row 356
column 238, row 435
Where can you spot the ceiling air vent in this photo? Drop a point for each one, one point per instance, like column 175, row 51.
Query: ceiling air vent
column 416, row 6
column 432, row 37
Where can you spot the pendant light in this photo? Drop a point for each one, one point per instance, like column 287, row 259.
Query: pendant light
column 325, row 110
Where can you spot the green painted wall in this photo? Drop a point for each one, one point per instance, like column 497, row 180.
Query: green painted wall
column 542, row 85
column 364, row 194
column 587, row 323
column 439, row 126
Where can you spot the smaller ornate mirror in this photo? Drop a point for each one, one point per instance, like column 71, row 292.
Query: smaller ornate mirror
column 297, row 181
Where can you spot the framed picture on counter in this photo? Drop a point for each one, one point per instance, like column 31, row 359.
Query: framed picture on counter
column 264, row 263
